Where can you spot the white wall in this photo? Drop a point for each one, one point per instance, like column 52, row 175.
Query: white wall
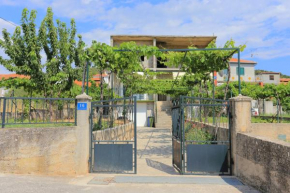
column 248, row 77
column 141, row 114
column 265, row 78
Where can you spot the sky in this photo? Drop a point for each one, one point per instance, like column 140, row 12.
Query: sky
column 263, row 25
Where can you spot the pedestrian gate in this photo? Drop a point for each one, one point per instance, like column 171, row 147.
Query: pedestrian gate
column 113, row 136
column 201, row 136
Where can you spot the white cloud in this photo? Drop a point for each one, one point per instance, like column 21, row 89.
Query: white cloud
column 262, row 24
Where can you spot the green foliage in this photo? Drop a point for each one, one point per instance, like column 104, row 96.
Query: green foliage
column 272, row 92
column 196, row 133
column 202, row 62
column 273, row 119
column 26, row 46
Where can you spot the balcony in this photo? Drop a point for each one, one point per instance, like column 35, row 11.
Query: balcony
column 144, row 97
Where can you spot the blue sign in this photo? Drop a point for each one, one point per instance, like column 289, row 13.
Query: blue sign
column 82, row 106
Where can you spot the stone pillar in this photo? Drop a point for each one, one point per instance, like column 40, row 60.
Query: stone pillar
column 83, row 133
column 240, row 109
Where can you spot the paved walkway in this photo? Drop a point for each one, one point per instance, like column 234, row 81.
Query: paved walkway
column 155, row 174
column 154, row 152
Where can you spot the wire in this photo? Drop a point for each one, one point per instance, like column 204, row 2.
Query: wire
column 9, row 22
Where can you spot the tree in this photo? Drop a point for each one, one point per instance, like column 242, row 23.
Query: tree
column 104, row 58
column 129, row 62
column 202, row 63
column 52, row 74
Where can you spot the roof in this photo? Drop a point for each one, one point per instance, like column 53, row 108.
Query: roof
column 6, row 76
column 235, row 60
column 80, row 83
column 97, row 77
column 284, row 79
column 169, row 42
column 269, row 73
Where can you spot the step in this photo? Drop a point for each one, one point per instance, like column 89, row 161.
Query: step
column 163, row 126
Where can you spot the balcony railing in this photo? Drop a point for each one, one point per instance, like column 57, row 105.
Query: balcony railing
column 144, row 97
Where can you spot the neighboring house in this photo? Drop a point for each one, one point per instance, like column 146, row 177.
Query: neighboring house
column 247, row 71
column 268, row 77
column 284, row 80
column 96, row 78
column 150, row 105
column 3, row 91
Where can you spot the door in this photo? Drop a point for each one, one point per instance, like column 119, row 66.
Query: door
column 113, row 136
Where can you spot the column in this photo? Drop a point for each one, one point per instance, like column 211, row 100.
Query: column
column 83, row 133
column 240, row 113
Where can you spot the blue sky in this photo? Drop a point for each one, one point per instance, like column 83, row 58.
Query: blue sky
column 263, row 25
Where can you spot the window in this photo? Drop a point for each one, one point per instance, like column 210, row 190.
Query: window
column 271, row 77
column 242, row 71
column 142, row 58
column 225, row 71
column 160, row 63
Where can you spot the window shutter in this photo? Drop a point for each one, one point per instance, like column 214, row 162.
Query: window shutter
column 242, row 71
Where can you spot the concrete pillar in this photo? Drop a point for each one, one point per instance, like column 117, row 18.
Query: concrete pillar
column 155, row 96
column 83, row 133
column 240, row 109
column 154, row 57
column 111, row 41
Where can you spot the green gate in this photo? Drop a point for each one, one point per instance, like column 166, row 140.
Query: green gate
column 201, row 136
column 113, row 136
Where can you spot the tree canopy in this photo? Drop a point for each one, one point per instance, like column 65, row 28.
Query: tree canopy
column 50, row 56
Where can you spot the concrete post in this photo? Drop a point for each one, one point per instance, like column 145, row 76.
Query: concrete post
column 83, row 133
column 240, row 108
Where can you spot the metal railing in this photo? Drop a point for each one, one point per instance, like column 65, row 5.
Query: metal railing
column 32, row 110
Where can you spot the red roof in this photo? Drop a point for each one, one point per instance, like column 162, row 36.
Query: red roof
column 6, row 76
column 284, row 79
column 97, row 77
column 80, row 83
column 235, row 60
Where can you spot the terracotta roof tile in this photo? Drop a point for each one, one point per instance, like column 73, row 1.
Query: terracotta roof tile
column 235, row 60
column 6, row 76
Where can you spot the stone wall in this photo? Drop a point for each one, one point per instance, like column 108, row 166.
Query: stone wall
column 46, row 151
column 263, row 163
column 118, row 133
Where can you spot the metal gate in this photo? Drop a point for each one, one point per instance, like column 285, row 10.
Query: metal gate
column 113, row 136
column 201, row 136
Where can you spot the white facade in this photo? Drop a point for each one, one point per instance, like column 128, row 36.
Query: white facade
column 3, row 91
column 268, row 78
column 247, row 72
column 141, row 114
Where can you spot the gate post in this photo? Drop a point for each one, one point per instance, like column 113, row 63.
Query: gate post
column 240, row 115
column 83, row 109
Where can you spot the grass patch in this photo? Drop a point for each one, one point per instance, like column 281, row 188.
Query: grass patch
column 268, row 120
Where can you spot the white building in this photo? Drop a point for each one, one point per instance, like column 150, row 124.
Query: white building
column 160, row 105
column 269, row 77
column 247, row 71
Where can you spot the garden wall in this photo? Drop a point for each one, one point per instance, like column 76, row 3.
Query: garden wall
column 45, row 151
column 118, row 133
column 270, row 130
column 221, row 133
column 263, row 163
